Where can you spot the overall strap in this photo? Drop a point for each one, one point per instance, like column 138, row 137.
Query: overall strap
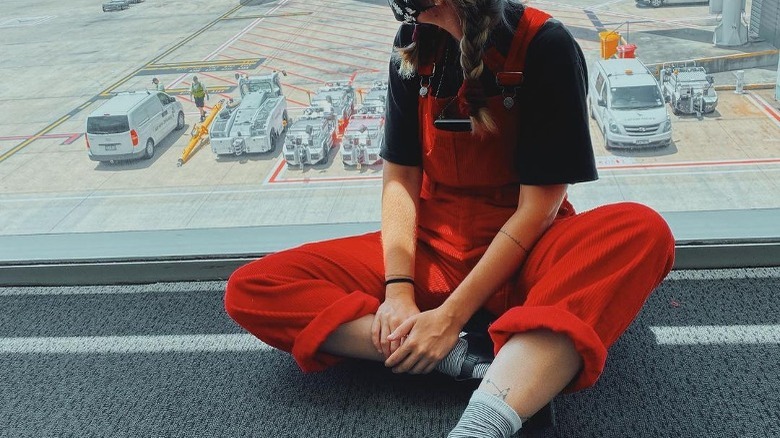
column 532, row 20
column 509, row 70
column 428, row 60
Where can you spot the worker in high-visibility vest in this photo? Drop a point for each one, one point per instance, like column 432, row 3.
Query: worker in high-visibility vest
column 199, row 92
column 158, row 85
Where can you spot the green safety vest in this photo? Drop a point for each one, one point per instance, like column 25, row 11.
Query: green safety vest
column 198, row 90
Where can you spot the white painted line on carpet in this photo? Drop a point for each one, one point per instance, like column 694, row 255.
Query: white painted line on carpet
column 159, row 288
column 724, row 274
column 715, row 335
column 217, row 343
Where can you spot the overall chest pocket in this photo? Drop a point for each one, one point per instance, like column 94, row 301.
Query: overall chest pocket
column 462, row 159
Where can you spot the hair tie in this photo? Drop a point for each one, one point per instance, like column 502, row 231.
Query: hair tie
column 471, row 97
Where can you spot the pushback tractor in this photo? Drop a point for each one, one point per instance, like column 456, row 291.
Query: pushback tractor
column 256, row 123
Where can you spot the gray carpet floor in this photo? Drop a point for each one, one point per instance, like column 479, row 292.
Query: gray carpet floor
column 711, row 388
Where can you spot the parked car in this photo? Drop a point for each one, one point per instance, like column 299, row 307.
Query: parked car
column 626, row 102
column 131, row 124
column 116, row 5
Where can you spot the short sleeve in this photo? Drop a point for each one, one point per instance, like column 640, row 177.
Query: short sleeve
column 554, row 142
column 402, row 133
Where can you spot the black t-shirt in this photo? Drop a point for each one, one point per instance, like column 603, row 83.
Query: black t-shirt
column 554, row 145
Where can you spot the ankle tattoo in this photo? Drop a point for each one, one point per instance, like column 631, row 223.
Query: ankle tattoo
column 500, row 393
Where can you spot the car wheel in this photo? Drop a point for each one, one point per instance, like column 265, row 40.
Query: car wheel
column 606, row 140
column 180, row 121
column 149, row 152
column 656, row 3
column 104, row 9
column 590, row 111
column 274, row 139
column 325, row 153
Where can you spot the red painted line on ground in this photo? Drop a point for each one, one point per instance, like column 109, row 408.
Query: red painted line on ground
column 295, row 63
column 330, row 41
column 277, row 171
column 297, row 102
column 352, row 78
column 295, row 87
column 266, row 37
column 684, row 164
column 219, row 78
column 326, row 179
column 72, row 138
column 268, row 67
column 226, row 96
column 274, row 180
column 769, row 108
column 69, row 138
column 344, row 7
column 353, row 23
column 307, row 55
column 384, row 40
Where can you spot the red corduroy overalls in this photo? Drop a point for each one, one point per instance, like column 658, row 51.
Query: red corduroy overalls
column 587, row 276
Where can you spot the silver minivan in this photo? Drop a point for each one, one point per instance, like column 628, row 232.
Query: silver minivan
column 130, row 124
column 626, row 102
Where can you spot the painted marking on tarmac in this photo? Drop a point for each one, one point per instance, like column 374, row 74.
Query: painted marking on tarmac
column 605, row 4
column 214, row 343
column 308, row 78
column 34, row 137
column 218, row 51
column 765, row 107
column 252, row 17
column 324, row 49
column 179, row 194
column 693, row 164
column 276, row 30
column 25, row 21
column 595, row 20
column 717, row 335
column 114, row 86
column 200, row 66
column 629, row 17
column 68, row 138
column 219, row 89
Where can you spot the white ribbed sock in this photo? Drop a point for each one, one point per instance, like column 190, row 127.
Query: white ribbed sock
column 452, row 363
column 486, row 416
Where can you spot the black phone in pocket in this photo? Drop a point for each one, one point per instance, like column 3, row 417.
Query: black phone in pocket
column 457, row 125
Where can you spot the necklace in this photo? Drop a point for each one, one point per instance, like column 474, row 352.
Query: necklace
column 441, row 80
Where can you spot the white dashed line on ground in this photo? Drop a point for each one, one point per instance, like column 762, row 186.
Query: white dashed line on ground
column 717, row 335
column 215, row 343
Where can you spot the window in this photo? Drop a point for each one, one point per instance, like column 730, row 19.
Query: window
column 720, row 160
column 107, row 125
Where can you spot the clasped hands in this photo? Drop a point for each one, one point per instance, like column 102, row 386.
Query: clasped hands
column 411, row 341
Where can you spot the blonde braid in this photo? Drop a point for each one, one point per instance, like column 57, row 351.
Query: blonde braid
column 478, row 19
column 407, row 59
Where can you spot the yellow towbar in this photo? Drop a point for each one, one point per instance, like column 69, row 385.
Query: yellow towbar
column 199, row 134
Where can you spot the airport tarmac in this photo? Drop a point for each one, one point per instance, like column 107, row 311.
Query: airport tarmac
column 63, row 60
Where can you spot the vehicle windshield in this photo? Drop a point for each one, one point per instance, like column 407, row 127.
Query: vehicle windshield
column 255, row 86
column 641, row 97
column 107, row 125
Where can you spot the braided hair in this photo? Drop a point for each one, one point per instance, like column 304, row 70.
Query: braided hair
column 478, row 18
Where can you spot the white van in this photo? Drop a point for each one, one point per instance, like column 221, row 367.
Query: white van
column 130, row 124
column 626, row 101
